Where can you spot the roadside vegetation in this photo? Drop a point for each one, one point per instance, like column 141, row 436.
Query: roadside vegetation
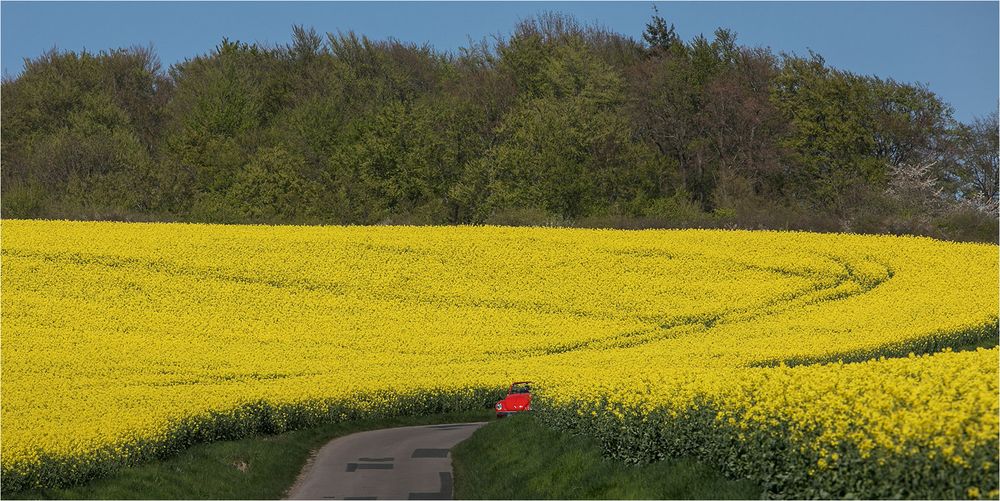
column 515, row 458
column 556, row 124
column 258, row 467
column 520, row 458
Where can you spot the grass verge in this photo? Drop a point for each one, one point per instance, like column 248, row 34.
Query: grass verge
column 519, row 458
column 259, row 467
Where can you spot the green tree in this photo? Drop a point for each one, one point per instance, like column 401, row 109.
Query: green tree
column 659, row 36
column 669, row 93
column 557, row 122
column 830, row 142
column 569, row 151
column 847, row 132
column 978, row 172
column 273, row 188
column 218, row 103
column 75, row 130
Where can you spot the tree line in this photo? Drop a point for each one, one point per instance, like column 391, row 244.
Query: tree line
column 557, row 123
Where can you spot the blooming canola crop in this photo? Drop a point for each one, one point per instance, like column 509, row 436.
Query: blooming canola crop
column 819, row 365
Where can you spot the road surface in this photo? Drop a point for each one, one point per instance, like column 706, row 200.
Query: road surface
column 396, row 463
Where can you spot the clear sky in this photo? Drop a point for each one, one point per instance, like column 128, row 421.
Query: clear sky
column 950, row 46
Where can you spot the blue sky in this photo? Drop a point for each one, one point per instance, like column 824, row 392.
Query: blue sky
column 951, row 46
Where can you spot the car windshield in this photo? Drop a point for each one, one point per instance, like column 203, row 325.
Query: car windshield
column 520, row 388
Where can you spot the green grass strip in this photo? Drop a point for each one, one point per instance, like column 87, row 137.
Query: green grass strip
column 258, row 467
column 521, row 458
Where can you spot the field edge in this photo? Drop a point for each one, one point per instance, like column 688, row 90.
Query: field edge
column 263, row 466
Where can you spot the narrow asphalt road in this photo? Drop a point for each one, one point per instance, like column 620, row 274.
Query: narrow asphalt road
column 396, row 463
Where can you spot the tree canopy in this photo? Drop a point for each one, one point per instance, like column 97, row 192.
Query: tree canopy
column 556, row 123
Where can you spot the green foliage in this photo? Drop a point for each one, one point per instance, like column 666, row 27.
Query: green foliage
column 782, row 469
column 522, row 58
column 558, row 123
column 569, row 152
column 374, row 73
column 249, row 420
column 568, row 159
column 658, row 35
column 675, row 208
column 848, row 132
column 406, row 158
column 977, row 172
column 256, row 467
column 548, row 463
column 272, row 188
column 218, row 105
column 76, row 135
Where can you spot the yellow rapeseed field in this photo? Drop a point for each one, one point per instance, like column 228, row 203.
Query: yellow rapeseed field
column 818, row 365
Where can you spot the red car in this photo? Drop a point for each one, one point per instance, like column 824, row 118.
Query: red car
column 518, row 399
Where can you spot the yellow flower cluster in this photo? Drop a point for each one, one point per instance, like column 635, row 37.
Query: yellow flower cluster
column 122, row 341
